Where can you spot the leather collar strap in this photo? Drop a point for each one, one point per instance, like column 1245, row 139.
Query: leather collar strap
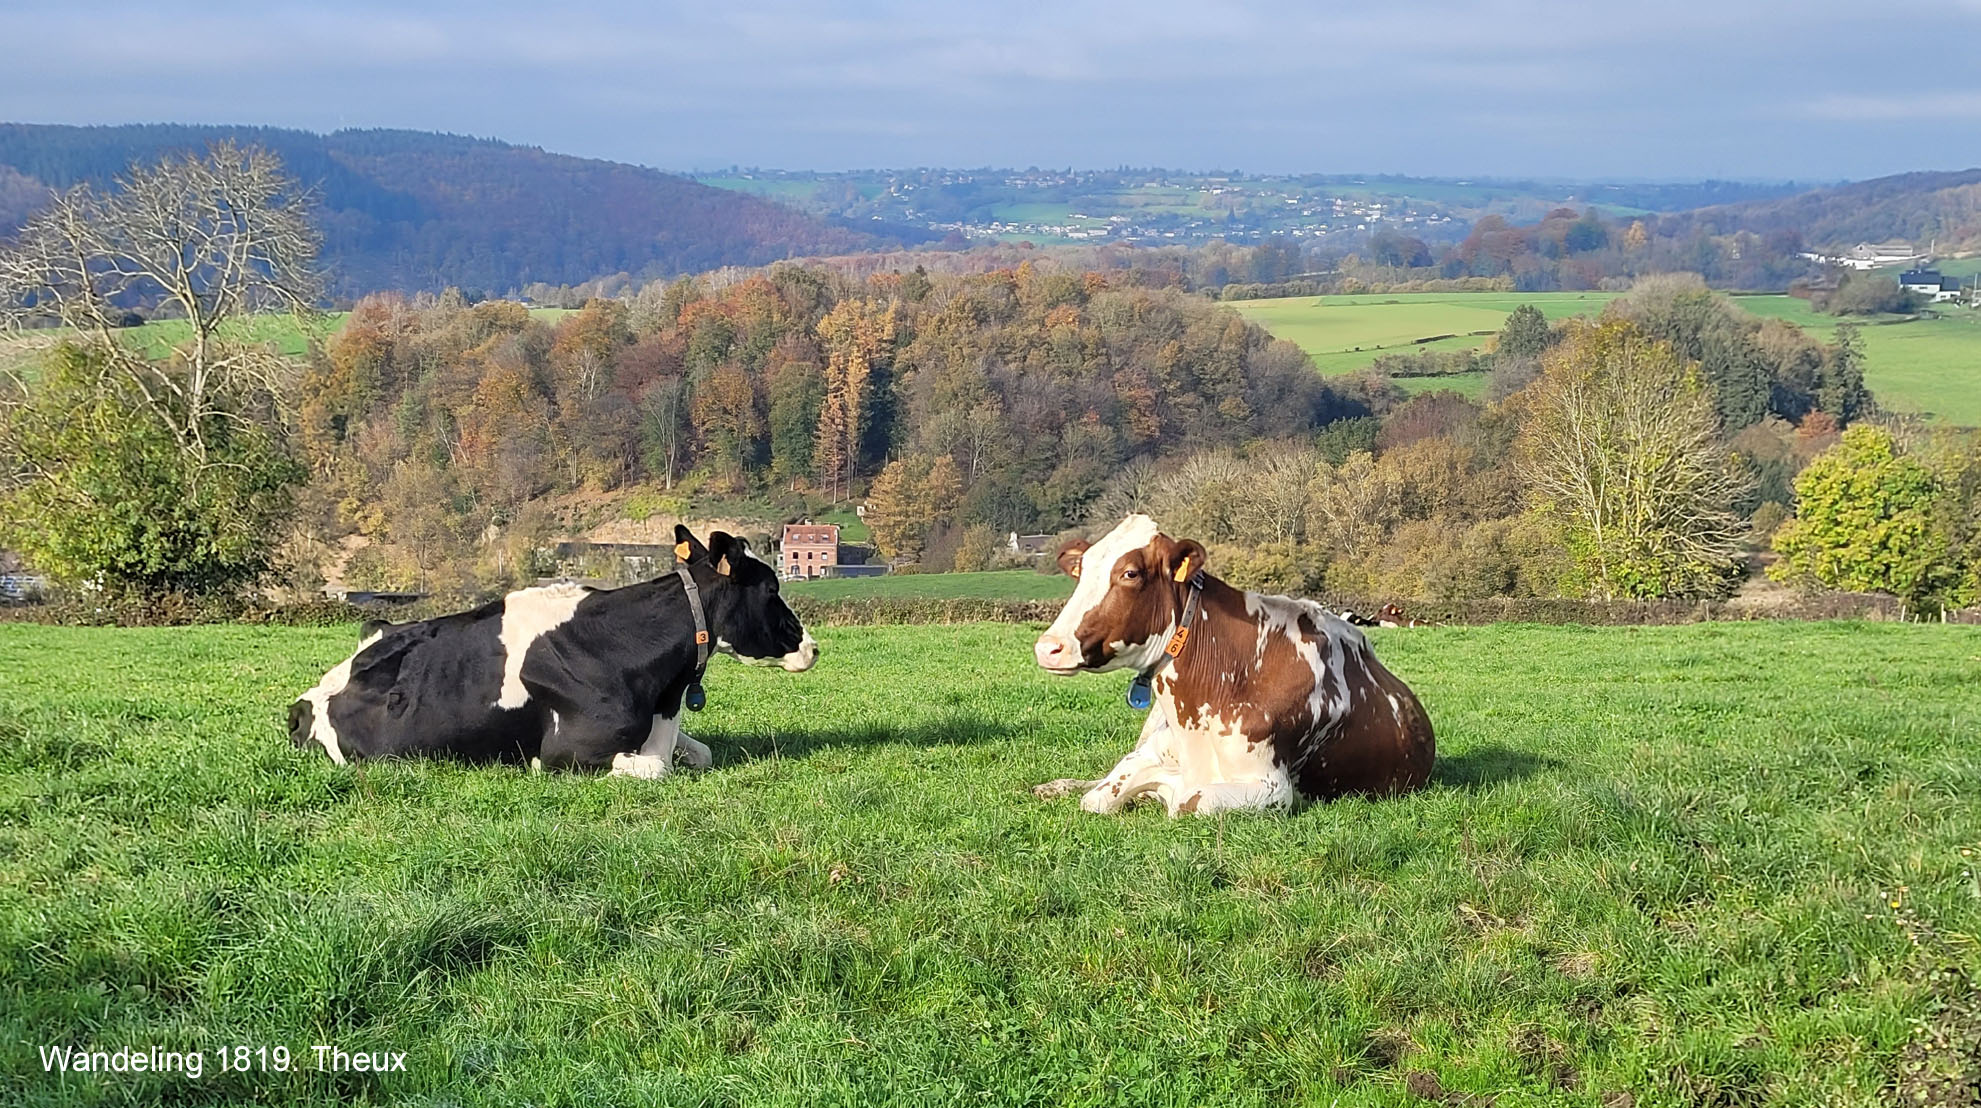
column 695, row 697
column 1140, row 693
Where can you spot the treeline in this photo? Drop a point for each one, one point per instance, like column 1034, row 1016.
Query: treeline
column 443, row 432
column 1572, row 251
column 417, row 211
column 1630, row 457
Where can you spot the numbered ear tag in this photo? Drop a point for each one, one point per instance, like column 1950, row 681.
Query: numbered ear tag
column 1140, row 696
column 696, row 698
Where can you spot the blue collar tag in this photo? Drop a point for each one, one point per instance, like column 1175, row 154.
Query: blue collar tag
column 1139, row 694
column 695, row 698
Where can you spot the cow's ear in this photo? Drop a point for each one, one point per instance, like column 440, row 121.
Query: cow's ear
column 1185, row 558
column 724, row 548
column 1069, row 556
column 688, row 548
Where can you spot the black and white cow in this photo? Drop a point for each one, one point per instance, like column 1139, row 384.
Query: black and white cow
column 578, row 677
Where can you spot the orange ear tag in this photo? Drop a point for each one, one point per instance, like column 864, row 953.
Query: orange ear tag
column 1182, row 571
column 681, row 551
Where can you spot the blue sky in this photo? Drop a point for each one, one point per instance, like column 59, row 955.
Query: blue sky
column 1684, row 89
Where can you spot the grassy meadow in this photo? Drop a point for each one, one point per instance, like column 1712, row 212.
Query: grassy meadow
column 1928, row 365
column 1725, row 864
column 996, row 584
column 284, row 333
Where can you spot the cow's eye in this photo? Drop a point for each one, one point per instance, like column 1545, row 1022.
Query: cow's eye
column 1130, row 574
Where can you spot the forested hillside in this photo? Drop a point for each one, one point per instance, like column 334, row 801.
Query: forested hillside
column 1924, row 208
column 417, row 211
column 1026, row 391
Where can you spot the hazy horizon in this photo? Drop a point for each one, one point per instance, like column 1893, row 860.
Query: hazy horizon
column 1533, row 90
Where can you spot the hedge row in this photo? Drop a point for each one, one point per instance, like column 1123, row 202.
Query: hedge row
column 175, row 611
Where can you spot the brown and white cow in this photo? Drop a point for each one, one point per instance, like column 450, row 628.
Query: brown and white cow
column 1267, row 701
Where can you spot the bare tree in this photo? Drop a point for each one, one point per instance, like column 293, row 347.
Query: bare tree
column 212, row 240
column 1622, row 447
column 1272, row 505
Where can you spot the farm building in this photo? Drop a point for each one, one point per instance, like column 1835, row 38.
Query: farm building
column 1030, row 546
column 808, row 550
column 1869, row 255
column 1932, row 284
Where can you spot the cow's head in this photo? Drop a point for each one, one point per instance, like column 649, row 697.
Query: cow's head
column 739, row 597
column 1130, row 596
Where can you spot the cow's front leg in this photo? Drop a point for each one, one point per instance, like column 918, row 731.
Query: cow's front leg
column 1203, row 799
column 1130, row 779
column 655, row 757
column 1148, row 750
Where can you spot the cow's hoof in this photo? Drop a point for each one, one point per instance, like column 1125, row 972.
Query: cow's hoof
column 1100, row 801
column 638, row 765
column 691, row 754
column 1065, row 786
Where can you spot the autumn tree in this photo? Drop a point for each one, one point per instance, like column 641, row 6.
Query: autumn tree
column 1864, row 521
column 858, row 337
column 1621, row 449
column 726, row 417
column 897, row 509
column 797, row 392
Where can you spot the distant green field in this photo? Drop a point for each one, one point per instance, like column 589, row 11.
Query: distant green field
column 289, row 336
column 998, row 584
column 851, row 527
column 1345, row 333
column 1930, row 365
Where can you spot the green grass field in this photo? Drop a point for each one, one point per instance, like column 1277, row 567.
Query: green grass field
column 1724, row 864
column 285, row 333
column 999, row 584
column 1930, row 365
column 1345, row 333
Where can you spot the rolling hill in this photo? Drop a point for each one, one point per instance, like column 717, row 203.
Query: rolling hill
column 414, row 210
column 1921, row 207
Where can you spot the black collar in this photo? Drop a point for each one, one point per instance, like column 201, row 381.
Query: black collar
column 1140, row 695
column 695, row 697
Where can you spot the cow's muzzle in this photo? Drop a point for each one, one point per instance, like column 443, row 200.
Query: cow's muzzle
column 1055, row 654
column 803, row 658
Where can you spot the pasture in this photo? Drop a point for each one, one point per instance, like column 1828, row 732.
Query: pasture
column 1345, row 333
column 1724, row 864
column 1927, row 365
column 996, row 584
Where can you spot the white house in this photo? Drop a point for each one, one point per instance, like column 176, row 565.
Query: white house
column 1930, row 284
